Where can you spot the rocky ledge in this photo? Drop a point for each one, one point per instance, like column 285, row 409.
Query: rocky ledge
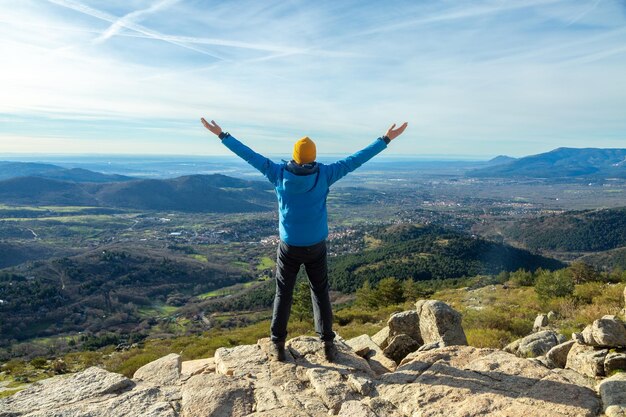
column 440, row 377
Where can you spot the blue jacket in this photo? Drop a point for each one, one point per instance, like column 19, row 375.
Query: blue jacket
column 302, row 198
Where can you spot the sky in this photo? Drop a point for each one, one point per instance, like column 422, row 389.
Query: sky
column 473, row 78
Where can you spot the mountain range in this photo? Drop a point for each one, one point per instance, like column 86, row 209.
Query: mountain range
column 593, row 163
column 194, row 193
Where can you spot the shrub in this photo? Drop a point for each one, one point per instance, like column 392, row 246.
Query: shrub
column 586, row 292
column 39, row 362
column 522, row 278
column 489, row 338
column 554, row 284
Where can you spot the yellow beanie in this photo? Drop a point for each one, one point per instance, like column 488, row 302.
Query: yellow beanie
column 304, row 151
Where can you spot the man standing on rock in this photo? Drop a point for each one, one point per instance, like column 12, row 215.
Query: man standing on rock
column 302, row 186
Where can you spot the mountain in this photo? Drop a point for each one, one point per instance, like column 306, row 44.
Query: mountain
column 36, row 169
column 500, row 160
column 429, row 252
column 195, row 193
column 561, row 163
column 581, row 231
column 21, row 169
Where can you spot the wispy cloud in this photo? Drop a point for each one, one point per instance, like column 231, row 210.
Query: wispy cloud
column 471, row 76
column 131, row 18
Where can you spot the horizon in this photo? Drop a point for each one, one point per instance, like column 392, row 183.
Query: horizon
column 476, row 78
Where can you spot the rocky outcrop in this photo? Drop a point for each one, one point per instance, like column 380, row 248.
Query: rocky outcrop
column 452, row 380
column 429, row 379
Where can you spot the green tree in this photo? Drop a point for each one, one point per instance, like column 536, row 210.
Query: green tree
column 390, row 291
column 523, row 278
column 554, row 284
column 366, row 296
column 302, row 305
column 582, row 272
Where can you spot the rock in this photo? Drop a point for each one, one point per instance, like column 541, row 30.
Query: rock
column 466, row 381
column 362, row 345
column 247, row 360
column 587, row 336
column 400, row 346
column 431, row 346
column 382, row 337
column 48, row 394
column 406, row 322
column 558, row 354
column 578, row 338
column 365, row 347
column 614, row 361
column 199, row 366
column 512, row 347
column 355, row 409
column 361, row 385
column 438, row 321
column 540, row 322
column 214, row 395
column 163, row 371
column 609, row 331
column 543, row 361
column 146, row 400
column 536, row 344
column 613, row 393
column 331, row 387
column 586, row 360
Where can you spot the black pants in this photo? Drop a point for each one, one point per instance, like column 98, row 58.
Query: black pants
column 288, row 262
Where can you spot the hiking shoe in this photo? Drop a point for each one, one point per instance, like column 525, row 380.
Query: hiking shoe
column 330, row 351
column 277, row 351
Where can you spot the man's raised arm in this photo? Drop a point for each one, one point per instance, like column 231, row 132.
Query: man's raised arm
column 340, row 169
column 263, row 164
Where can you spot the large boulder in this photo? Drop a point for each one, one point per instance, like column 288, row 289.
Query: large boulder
column 406, row 322
column 440, row 322
column 535, row 344
column 198, row 366
column 586, row 360
column 558, row 354
column 613, row 393
column 382, row 337
column 400, row 346
column 609, row 331
column 163, row 371
column 365, row 347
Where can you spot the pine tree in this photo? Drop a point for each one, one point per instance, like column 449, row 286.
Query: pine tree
column 302, row 306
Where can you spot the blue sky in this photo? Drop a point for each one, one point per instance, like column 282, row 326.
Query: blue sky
column 473, row 78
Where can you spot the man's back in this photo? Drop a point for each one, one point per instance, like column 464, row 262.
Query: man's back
column 302, row 194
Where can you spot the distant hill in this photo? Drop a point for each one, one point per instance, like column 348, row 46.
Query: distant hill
column 36, row 169
column 429, row 252
column 607, row 260
column 195, row 193
column 500, row 159
column 23, row 169
column 582, row 231
column 561, row 163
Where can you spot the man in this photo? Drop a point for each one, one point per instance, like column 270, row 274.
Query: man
column 302, row 186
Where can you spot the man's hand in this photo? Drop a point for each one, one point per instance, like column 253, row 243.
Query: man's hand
column 394, row 133
column 213, row 127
